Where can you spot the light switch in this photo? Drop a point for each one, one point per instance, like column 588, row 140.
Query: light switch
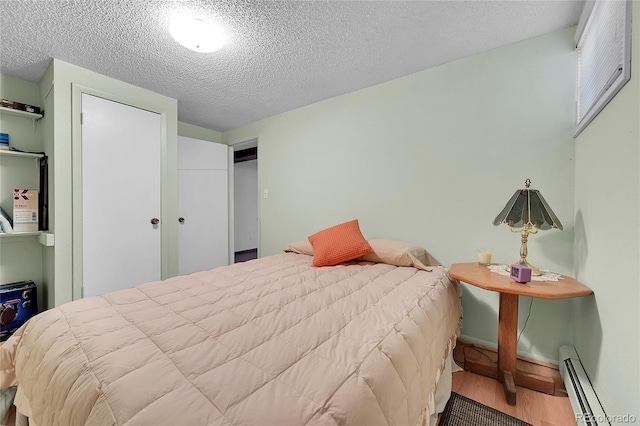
column 265, row 193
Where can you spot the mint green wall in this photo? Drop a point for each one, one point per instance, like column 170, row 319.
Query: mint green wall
column 196, row 132
column 432, row 158
column 607, row 244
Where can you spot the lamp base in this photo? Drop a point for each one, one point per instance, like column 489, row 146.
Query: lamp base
column 535, row 271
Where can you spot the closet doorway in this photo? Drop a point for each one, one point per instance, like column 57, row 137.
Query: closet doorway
column 245, row 201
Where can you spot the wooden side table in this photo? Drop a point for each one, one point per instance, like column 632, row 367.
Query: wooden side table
column 481, row 276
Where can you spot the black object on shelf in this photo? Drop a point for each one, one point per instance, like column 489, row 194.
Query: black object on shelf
column 43, row 195
column 18, row 303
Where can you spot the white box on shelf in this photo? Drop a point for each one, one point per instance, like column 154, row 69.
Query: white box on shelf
column 25, row 210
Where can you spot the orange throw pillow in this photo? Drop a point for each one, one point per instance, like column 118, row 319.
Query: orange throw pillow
column 338, row 244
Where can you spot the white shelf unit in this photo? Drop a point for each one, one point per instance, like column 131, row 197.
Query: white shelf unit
column 20, row 154
column 19, row 113
column 45, row 238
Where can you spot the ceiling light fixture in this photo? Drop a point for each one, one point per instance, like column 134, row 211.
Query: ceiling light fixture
column 196, row 34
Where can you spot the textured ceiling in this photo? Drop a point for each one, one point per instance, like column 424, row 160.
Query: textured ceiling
column 280, row 54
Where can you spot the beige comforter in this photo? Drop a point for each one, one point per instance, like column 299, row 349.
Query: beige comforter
column 272, row 341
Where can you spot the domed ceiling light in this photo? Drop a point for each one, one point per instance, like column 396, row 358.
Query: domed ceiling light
column 196, row 34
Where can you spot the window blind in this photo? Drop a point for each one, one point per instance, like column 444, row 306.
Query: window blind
column 603, row 58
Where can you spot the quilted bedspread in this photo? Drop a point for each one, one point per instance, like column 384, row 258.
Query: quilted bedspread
column 271, row 341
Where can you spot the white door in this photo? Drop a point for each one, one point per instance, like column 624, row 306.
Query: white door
column 203, row 231
column 120, row 196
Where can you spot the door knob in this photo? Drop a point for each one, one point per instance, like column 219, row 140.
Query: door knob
column 181, row 219
column 155, row 221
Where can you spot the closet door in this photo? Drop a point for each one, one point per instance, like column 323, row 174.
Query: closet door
column 203, row 205
column 120, row 196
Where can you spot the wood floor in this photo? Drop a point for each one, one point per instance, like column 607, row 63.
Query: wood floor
column 533, row 407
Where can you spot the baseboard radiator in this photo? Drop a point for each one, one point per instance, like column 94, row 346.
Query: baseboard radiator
column 584, row 400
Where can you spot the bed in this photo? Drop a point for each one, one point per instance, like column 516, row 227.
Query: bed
column 270, row 341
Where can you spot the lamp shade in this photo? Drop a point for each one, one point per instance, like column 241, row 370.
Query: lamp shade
column 527, row 206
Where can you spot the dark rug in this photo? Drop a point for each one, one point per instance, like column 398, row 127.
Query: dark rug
column 462, row 411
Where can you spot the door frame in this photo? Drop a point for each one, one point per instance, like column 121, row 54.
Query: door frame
column 168, row 181
column 235, row 146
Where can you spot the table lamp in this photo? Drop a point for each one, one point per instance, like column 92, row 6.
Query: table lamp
column 528, row 211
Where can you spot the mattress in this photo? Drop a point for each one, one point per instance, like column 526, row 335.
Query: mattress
column 270, row 341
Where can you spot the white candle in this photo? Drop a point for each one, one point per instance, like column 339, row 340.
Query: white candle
column 484, row 257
